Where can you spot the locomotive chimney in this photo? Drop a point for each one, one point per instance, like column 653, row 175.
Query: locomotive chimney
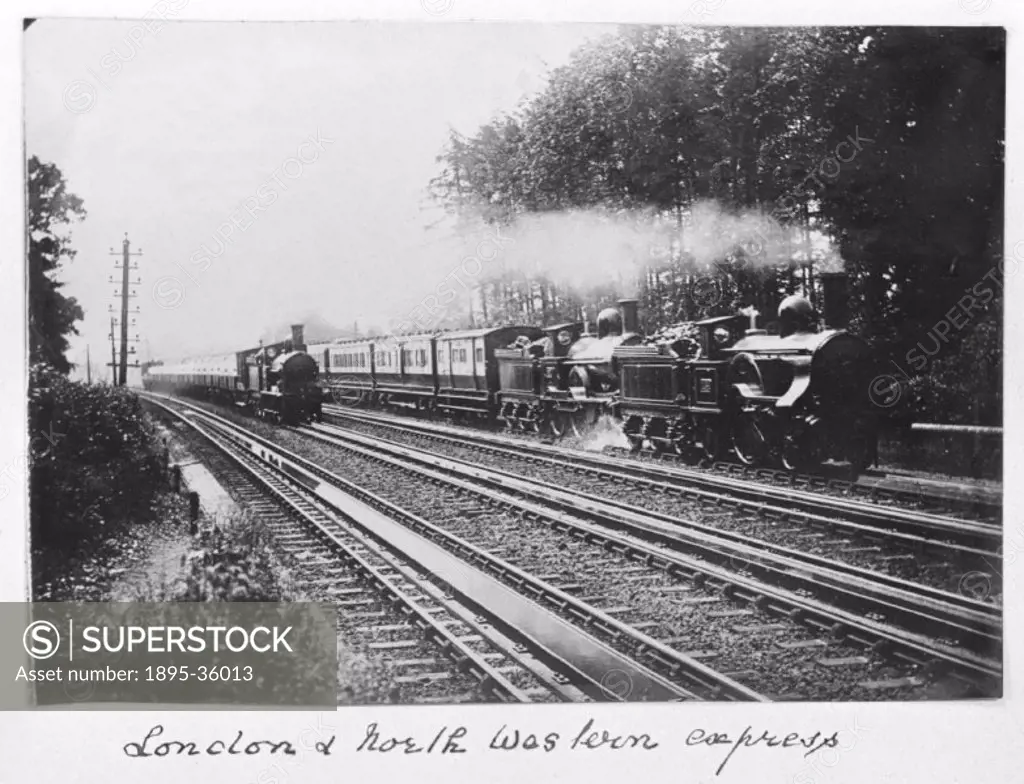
column 835, row 299
column 630, row 318
column 297, row 342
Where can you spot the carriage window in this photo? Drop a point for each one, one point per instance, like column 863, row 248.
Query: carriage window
column 462, row 355
column 422, row 357
column 479, row 355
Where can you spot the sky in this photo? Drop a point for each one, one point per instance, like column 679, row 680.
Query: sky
column 267, row 171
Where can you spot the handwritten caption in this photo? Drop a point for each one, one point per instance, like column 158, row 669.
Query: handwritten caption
column 450, row 740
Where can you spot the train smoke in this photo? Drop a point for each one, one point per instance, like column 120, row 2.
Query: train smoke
column 601, row 255
column 711, row 234
column 581, row 251
column 606, row 433
column 588, row 250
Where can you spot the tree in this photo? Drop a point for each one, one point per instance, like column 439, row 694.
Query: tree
column 51, row 315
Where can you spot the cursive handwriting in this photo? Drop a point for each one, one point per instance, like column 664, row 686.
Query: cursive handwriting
column 450, row 740
column 375, row 742
column 214, row 748
column 746, row 739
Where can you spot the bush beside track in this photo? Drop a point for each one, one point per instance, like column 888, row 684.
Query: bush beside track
column 96, row 470
column 98, row 488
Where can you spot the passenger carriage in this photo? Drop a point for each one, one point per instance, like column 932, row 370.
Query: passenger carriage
column 346, row 369
column 467, row 373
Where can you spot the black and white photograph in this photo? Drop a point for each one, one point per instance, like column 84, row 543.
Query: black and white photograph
column 569, row 362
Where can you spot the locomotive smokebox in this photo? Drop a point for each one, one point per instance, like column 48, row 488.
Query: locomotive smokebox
column 835, row 299
column 297, row 338
column 630, row 316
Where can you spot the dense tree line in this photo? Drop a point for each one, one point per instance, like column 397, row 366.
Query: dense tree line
column 51, row 315
column 889, row 141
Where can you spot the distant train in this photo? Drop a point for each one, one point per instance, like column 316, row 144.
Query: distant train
column 277, row 382
column 704, row 390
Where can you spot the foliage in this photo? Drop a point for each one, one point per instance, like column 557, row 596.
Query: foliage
column 95, row 461
column 233, row 562
column 656, row 121
column 51, row 315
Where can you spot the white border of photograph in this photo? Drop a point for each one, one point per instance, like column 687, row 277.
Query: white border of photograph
column 932, row 742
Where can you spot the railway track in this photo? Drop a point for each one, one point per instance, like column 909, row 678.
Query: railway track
column 926, row 497
column 971, row 624
column 781, row 629
column 924, row 547
column 462, row 632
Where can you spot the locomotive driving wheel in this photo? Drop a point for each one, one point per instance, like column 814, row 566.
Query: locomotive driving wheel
column 684, row 444
column 800, row 451
column 558, row 423
column 712, row 443
column 583, row 421
column 532, row 422
column 749, row 441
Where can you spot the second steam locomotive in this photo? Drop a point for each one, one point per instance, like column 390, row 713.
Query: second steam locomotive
column 277, row 382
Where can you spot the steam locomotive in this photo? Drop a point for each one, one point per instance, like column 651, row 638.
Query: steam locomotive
column 277, row 382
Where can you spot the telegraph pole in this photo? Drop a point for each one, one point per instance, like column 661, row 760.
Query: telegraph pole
column 88, row 366
column 125, row 295
column 113, row 356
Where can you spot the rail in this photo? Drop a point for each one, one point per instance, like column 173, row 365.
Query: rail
column 978, row 430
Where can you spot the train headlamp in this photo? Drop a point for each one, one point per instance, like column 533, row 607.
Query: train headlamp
column 564, row 337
